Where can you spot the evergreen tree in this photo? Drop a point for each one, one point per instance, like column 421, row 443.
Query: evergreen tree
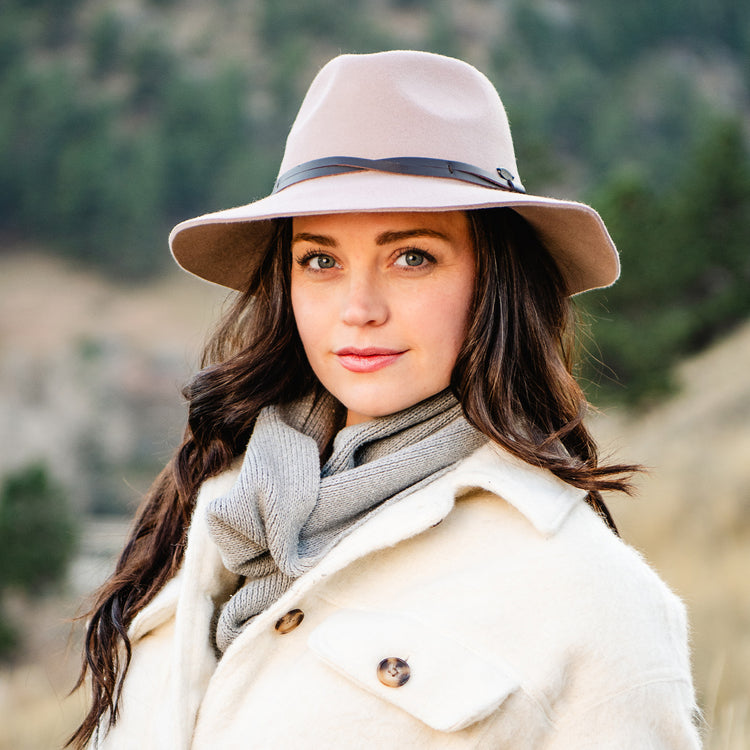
column 37, row 539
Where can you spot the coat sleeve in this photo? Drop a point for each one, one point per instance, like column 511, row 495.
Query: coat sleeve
column 660, row 715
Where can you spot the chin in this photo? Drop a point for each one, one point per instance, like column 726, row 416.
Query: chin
column 372, row 408
column 356, row 415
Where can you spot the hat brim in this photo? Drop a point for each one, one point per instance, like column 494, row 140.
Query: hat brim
column 224, row 247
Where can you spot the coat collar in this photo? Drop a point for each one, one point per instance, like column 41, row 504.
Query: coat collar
column 541, row 497
column 545, row 500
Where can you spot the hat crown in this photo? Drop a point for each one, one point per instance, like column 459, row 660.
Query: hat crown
column 401, row 104
column 396, row 131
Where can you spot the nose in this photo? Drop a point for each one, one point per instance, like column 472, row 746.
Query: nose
column 364, row 301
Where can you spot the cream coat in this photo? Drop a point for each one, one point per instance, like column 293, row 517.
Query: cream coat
column 524, row 621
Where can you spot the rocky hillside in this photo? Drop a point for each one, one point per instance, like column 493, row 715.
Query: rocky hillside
column 90, row 374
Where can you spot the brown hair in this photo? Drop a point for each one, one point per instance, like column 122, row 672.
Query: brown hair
column 512, row 376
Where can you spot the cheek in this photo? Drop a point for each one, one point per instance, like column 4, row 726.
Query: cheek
column 445, row 317
column 305, row 316
column 451, row 326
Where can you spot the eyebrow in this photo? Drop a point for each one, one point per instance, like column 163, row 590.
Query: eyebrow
column 384, row 238
column 316, row 239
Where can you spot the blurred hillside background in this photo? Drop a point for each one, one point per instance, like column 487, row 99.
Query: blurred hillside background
column 120, row 118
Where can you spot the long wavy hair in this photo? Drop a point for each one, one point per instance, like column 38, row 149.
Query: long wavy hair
column 513, row 376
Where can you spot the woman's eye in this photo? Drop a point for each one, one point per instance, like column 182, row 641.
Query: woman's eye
column 411, row 258
column 321, row 262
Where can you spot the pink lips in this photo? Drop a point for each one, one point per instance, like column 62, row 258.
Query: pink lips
column 369, row 359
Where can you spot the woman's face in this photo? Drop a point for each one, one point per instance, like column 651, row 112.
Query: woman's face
column 381, row 302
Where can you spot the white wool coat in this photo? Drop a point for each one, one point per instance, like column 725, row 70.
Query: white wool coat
column 525, row 623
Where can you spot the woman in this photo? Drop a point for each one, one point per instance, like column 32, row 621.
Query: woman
column 385, row 522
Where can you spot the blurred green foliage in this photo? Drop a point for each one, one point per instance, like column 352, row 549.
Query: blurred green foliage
column 111, row 132
column 37, row 539
column 686, row 266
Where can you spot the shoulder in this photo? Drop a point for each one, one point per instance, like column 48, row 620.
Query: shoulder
column 204, row 567
column 514, row 527
column 538, row 546
column 524, row 571
column 175, row 621
column 524, row 516
column 524, row 598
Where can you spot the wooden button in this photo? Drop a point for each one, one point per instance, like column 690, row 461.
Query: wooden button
column 289, row 621
column 394, row 672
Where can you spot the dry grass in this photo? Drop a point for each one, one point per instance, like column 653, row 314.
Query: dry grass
column 36, row 711
column 35, row 714
column 692, row 520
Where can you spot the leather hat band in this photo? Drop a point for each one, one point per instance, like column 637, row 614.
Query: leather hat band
column 408, row 165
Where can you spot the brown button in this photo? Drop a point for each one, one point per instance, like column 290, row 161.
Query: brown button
column 394, row 672
column 289, row 621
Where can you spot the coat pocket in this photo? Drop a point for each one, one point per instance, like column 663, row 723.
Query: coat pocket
column 412, row 666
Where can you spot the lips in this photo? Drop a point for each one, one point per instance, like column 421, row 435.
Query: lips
column 368, row 359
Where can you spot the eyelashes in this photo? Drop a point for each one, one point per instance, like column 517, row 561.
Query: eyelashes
column 412, row 253
column 407, row 255
column 305, row 260
column 308, row 256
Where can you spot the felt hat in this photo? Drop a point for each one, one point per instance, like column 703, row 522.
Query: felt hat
column 397, row 131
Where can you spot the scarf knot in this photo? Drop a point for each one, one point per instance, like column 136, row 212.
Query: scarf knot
column 285, row 511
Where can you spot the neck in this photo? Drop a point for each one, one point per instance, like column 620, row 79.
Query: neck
column 353, row 418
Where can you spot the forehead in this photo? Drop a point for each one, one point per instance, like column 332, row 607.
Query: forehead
column 453, row 224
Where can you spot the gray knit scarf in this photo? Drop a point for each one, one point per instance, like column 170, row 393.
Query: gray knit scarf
column 285, row 512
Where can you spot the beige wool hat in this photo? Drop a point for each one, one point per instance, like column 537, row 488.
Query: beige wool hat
column 397, row 131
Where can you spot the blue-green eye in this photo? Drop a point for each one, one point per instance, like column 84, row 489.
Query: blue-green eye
column 322, row 262
column 411, row 258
